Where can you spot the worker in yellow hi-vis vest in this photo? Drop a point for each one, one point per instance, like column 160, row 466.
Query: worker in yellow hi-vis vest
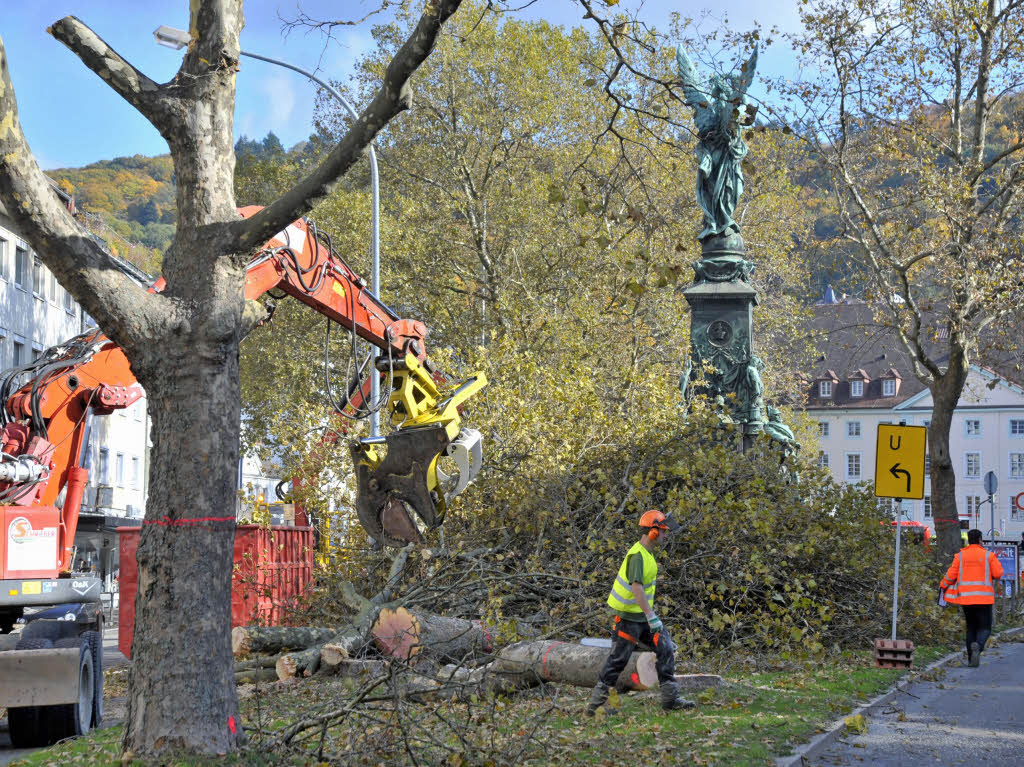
column 635, row 620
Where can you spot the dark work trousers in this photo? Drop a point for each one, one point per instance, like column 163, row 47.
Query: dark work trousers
column 979, row 624
column 626, row 635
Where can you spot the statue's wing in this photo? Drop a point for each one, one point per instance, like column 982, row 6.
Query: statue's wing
column 747, row 72
column 695, row 95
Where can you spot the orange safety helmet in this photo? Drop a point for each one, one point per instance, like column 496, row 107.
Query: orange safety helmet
column 656, row 521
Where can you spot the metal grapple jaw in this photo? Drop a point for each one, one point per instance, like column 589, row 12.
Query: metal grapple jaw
column 406, row 479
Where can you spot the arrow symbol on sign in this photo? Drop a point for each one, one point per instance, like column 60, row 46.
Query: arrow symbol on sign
column 896, row 471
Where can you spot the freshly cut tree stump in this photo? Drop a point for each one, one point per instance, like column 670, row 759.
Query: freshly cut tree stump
column 567, row 663
column 404, row 634
column 273, row 639
column 698, row 681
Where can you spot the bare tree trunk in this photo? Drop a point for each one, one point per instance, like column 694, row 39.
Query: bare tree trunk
column 183, row 606
column 945, row 396
column 183, row 348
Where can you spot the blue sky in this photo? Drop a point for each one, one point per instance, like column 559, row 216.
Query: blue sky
column 72, row 118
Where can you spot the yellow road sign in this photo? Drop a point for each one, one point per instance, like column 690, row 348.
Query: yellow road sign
column 899, row 461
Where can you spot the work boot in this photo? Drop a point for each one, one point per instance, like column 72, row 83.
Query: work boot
column 670, row 699
column 598, row 697
column 974, row 656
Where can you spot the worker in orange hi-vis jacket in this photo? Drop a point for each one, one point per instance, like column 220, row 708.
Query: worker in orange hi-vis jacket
column 970, row 583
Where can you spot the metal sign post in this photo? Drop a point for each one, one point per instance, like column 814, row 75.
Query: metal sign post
column 991, row 485
column 896, row 567
column 899, row 474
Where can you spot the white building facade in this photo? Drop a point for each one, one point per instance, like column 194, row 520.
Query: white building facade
column 863, row 380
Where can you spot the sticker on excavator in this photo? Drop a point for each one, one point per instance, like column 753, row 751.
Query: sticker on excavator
column 30, row 548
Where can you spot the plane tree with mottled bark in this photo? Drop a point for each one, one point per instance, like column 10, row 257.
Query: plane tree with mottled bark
column 183, row 346
column 914, row 113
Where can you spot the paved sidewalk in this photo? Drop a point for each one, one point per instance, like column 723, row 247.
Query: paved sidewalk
column 966, row 716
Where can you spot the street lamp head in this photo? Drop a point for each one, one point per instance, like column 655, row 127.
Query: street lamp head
column 171, row 37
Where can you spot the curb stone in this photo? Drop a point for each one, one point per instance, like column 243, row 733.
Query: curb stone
column 821, row 742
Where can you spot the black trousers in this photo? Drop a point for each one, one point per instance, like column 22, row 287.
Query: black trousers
column 626, row 635
column 979, row 624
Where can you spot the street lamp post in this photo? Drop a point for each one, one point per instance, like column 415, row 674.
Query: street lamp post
column 178, row 39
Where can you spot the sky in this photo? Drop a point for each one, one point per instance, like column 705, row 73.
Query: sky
column 71, row 118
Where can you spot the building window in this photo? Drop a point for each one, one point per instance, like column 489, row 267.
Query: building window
column 825, row 388
column 38, row 279
column 120, row 469
column 856, row 388
column 135, row 473
column 37, row 351
column 21, row 268
column 823, row 459
column 5, row 269
column 1014, row 511
column 853, row 466
column 927, row 507
column 53, row 287
column 853, row 428
column 19, row 354
column 103, row 477
column 927, row 463
column 69, row 303
column 889, row 387
column 972, row 427
column 973, row 464
column 1017, row 465
column 1017, row 427
column 973, row 505
column 823, row 428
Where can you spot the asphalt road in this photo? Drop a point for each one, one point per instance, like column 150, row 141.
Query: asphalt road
column 112, row 658
column 966, row 716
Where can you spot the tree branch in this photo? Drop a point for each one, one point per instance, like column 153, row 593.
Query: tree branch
column 134, row 87
column 391, row 98
column 79, row 261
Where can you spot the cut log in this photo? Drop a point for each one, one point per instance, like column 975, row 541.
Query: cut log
column 258, row 661
column 269, row 640
column 579, row 665
column 334, row 653
column 404, row 634
column 354, row 668
column 296, row 664
column 253, row 675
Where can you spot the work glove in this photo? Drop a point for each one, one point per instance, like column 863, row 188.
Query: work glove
column 655, row 623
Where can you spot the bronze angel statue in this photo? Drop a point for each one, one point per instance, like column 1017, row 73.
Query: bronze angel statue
column 720, row 108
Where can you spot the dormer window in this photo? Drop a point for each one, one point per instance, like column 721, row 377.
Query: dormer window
column 825, row 388
column 891, row 382
column 856, row 388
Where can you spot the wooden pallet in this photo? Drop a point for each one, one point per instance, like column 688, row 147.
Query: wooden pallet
column 894, row 654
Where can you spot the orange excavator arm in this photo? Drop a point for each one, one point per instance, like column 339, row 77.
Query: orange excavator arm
column 401, row 491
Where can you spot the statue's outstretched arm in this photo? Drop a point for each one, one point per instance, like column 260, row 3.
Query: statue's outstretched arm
column 695, row 95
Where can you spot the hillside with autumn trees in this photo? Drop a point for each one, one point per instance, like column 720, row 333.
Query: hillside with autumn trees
column 128, row 201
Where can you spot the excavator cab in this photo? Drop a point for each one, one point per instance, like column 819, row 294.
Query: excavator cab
column 402, row 488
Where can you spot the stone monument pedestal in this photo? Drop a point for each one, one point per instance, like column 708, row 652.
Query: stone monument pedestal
column 721, row 331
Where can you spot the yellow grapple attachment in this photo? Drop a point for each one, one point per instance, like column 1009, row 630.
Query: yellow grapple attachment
column 400, row 490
